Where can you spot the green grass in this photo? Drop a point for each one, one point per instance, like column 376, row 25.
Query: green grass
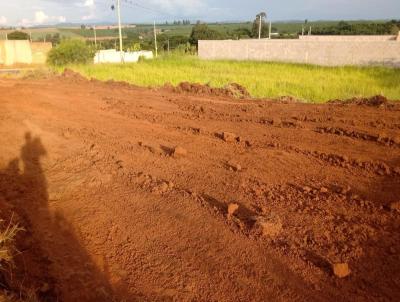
column 262, row 79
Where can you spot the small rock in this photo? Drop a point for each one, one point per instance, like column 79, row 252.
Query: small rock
column 395, row 206
column 229, row 137
column 180, row 152
column 249, row 144
column 341, row 270
column 232, row 208
column 307, row 189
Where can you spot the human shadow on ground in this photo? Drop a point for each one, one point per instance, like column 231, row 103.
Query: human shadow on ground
column 51, row 260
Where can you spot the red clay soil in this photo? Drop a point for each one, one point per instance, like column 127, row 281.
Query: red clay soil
column 260, row 201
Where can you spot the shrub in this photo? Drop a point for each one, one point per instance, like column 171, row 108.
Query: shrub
column 70, row 52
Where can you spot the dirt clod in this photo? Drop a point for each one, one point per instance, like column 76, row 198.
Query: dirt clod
column 323, row 190
column 395, row 206
column 232, row 209
column 229, row 137
column 180, row 152
column 341, row 270
column 270, row 226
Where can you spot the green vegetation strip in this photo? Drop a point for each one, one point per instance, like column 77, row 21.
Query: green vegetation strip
column 262, row 79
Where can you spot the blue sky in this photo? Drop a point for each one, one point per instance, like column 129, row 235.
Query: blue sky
column 40, row 12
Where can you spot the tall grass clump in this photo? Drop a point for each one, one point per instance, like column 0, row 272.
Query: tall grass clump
column 7, row 250
column 7, row 237
column 70, row 52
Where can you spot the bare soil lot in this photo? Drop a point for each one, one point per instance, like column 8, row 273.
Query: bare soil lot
column 133, row 194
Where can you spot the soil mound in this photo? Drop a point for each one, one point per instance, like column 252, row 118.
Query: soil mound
column 231, row 90
column 375, row 101
column 72, row 75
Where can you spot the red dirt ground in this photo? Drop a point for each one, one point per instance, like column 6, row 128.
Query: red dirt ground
column 113, row 212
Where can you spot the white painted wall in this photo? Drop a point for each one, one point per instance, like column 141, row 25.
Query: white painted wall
column 113, row 56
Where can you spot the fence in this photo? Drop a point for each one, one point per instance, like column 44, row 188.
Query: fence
column 325, row 51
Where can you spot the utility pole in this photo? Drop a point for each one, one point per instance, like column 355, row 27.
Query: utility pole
column 95, row 36
column 120, row 29
column 269, row 33
column 259, row 28
column 155, row 39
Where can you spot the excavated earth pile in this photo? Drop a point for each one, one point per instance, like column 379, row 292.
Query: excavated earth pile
column 187, row 194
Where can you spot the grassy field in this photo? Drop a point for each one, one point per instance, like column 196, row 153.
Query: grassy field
column 262, row 79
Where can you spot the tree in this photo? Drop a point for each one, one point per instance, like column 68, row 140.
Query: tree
column 241, row 32
column 54, row 39
column 256, row 26
column 18, row 35
column 203, row 32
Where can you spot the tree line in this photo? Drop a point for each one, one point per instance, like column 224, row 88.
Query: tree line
column 344, row 28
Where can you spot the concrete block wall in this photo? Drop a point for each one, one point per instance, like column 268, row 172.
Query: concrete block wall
column 327, row 52
column 23, row 52
column 40, row 51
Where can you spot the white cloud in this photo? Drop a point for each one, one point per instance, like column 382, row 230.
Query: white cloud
column 91, row 6
column 40, row 17
column 3, row 20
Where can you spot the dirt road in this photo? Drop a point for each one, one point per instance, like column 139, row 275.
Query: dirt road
column 114, row 211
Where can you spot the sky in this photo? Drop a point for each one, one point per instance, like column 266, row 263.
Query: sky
column 43, row 12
